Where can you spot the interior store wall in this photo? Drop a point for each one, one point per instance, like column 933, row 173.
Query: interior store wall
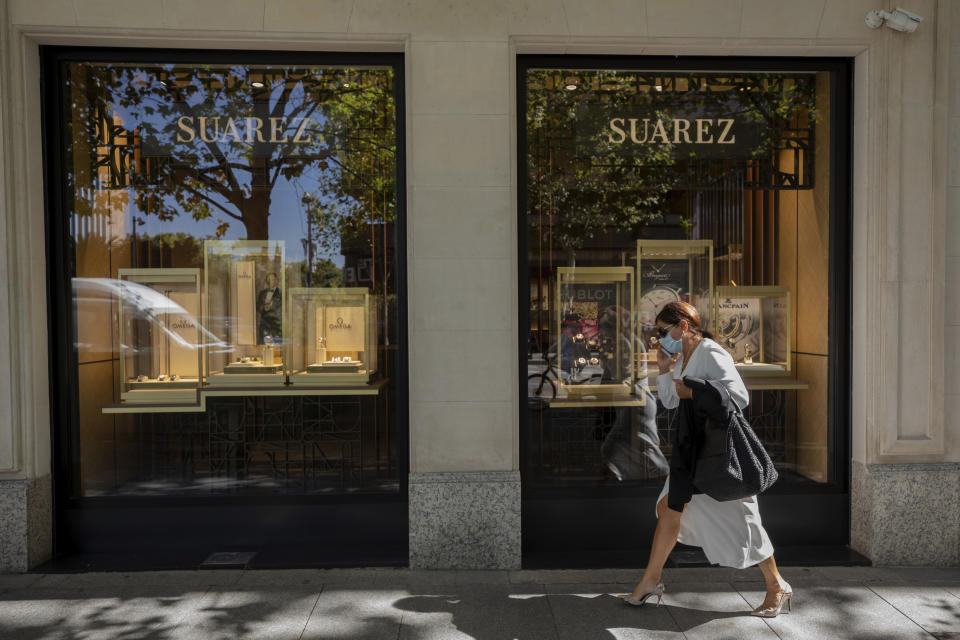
column 804, row 263
column 461, row 156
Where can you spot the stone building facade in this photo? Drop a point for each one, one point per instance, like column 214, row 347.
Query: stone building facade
column 461, row 154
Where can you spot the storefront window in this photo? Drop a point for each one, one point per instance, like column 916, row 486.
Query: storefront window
column 646, row 187
column 233, row 240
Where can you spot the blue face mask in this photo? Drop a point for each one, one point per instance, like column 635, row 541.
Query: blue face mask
column 669, row 344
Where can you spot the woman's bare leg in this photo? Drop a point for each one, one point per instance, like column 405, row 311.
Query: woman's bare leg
column 775, row 583
column 664, row 539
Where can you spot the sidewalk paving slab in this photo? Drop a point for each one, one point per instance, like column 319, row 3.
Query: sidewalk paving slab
column 348, row 612
column 933, row 608
column 251, row 615
column 850, row 611
column 862, row 575
column 926, row 575
column 830, row 602
column 710, row 611
column 13, row 581
column 594, row 612
column 181, row 579
column 96, row 612
column 480, row 611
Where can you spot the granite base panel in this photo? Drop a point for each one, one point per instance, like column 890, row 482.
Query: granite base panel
column 906, row 514
column 26, row 523
column 465, row 520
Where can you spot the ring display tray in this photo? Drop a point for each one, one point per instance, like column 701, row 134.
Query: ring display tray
column 238, row 368
column 334, row 367
column 188, row 383
column 246, row 379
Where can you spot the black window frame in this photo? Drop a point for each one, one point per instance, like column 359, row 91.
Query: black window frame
column 71, row 510
column 542, row 503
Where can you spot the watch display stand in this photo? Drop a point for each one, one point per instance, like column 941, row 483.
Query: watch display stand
column 671, row 271
column 596, row 332
column 245, row 294
column 753, row 325
column 160, row 335
column 332, row 336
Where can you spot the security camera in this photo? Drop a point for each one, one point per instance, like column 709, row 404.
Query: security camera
column 898, row 19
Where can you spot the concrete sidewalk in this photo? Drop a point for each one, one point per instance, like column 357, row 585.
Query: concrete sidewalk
column 374, row 604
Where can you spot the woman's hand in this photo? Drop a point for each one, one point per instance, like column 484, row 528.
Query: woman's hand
column 664, row 360
column 683, row 391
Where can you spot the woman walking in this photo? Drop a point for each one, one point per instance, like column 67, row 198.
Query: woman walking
column 729, row 532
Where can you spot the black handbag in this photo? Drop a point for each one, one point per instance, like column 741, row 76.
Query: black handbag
column 732, row 463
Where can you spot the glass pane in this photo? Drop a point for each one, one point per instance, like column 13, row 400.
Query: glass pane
column 705, row 187
column 208, row 204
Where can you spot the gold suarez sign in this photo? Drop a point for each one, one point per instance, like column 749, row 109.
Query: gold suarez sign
column 672, row 131
column 643, row 132
column 250, row 129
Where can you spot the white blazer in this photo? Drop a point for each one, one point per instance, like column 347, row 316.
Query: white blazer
column 709, row 361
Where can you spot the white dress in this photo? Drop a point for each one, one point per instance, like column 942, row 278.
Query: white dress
column 730, row 532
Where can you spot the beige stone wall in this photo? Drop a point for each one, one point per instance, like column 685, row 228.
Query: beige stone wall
column 461, row 155
column 952, row 275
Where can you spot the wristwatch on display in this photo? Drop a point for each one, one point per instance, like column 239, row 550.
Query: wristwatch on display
column 653, row 301
column 733, row 329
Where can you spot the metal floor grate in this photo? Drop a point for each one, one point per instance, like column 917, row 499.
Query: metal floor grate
column 228, row 560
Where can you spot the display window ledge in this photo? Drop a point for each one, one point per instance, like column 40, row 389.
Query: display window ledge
column 372, row 389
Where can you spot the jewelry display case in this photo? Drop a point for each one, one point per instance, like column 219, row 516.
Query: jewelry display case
column 160, row 335
column 671, row 271
column 753, row 325
column 245, row 294
column 332, row 336
column 596, row 331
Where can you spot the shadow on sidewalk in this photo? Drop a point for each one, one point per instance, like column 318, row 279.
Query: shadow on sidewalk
column 543, row 616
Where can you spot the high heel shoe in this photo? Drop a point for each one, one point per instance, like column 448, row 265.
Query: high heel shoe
column 773, row 612
column 639, row 602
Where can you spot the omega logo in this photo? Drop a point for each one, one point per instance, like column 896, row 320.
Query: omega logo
column 340, row 324
column 672, row 131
